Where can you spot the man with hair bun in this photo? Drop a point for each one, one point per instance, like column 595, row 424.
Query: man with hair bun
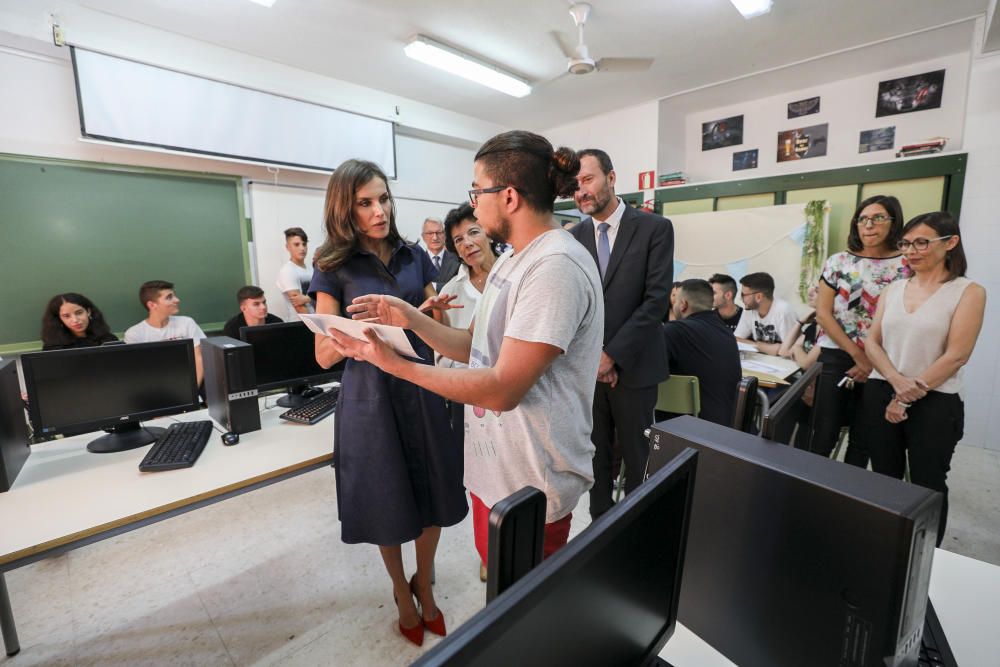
column 532, row 348
column 634, row 251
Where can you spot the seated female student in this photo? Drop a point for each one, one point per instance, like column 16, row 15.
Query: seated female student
column 72, row 320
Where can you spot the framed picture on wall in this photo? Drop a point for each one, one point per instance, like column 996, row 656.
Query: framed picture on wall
column 882, row 139
column 910, row 93
column 802, row 143
column 745, row 160
column 803, row 107
column 721, row 133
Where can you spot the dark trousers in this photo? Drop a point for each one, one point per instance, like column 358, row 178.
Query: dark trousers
column 927, row 437
column 836, row 407
column 625, row 413
column 456, row 414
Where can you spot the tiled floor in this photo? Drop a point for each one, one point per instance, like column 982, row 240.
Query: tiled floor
column 263, row 579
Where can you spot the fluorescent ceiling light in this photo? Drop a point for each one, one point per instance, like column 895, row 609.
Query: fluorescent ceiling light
column 752, row 8
column 265, row 3
column 460, row 64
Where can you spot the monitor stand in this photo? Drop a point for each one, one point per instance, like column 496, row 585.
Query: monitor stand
column 297, row 395
column 124, row 437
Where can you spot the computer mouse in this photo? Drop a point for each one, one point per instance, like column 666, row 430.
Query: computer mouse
column 230, row 438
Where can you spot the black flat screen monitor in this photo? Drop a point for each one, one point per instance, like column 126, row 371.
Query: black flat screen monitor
column 14, row 448
column 284, row 358
column 110, row 387
column 780, row 420
column 609, row 597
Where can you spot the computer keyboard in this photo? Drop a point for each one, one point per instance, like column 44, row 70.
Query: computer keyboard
column 179, row 447
column 934, row 648
column 315, row 409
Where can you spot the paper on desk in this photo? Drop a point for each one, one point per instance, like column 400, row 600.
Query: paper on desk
column 394, row 336
column 745, row 347
column 760, row 367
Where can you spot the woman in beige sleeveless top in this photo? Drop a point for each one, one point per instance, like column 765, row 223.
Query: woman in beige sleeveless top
column 924, row 331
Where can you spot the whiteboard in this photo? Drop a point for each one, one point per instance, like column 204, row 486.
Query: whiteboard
column 274, row 208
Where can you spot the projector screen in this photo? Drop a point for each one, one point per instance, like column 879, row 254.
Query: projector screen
column 128, row 102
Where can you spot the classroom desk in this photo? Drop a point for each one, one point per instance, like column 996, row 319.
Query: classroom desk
column 966, row 595
column 753, row 363
column 67, row 497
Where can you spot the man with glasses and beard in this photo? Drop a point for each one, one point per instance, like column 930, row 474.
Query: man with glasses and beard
column 634, row 251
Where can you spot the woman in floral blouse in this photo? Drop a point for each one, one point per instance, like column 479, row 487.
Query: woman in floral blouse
column 848, row 294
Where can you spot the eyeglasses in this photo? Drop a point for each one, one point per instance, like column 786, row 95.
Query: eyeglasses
column 875, row 220
column 748, row 294
column 433, row 234
column 474, row 194
column 920, row 244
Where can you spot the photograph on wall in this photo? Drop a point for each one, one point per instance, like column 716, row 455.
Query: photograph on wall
column 722, row 133
column 882, row 139
column 802, row 143
column 745, row 160
column 910, row 93
column 803, row 107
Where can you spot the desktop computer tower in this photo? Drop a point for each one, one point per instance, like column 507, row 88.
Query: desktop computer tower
column 14, row 447
column 231, row 383
column 794, row 559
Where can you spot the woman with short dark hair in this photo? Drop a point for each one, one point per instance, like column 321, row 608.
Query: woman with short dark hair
column 849, row 290
column 72, row 320
column 925, row 330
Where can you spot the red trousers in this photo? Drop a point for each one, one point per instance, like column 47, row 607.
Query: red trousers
column 556, row 533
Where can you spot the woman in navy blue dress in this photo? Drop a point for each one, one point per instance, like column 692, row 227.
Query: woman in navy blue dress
column 398, row 463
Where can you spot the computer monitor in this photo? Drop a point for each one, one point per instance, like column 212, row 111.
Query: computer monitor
column 113, row 388
column 609, row 597
column 780, row 419
column 794, row 559
column 13, row 428
column 285, row 359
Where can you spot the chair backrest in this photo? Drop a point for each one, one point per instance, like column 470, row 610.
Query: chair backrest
column 746, row 402
column 680, row 394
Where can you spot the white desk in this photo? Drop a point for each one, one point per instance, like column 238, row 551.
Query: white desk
column 66, row 497
column 966, row 595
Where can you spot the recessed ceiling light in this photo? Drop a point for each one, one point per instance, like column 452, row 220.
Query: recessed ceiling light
column 462, row 64
column 752, row 8
column 265, row 3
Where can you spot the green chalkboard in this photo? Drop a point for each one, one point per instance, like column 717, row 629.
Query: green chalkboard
column 103, row 230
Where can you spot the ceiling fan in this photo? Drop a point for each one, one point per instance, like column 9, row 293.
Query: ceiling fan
column 578, row 57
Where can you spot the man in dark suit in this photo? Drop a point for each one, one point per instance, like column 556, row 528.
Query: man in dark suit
column 700, row 343
column 634, row 251
column 444, row 260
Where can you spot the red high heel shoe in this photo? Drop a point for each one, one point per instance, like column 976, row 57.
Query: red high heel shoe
column 414, row 634
column 436, row 624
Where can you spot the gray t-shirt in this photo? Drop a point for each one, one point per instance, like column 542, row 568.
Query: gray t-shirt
column 550, row 292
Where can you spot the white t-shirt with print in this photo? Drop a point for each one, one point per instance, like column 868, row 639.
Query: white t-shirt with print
column 550, row 292
column 178, row 327
column 291, row 278
column 776, row 327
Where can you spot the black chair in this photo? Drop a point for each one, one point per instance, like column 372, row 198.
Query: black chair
column 744, row 415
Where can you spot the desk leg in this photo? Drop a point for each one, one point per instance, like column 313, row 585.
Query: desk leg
column 7, row 620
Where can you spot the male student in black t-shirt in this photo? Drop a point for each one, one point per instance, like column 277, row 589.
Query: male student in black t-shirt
column 253, row 311
column 699, row 343
column 725, row 290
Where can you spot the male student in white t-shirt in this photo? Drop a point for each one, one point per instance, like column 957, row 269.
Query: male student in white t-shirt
column 533, row 347
column 766, row 323
column 294, row 276
column 163, row 322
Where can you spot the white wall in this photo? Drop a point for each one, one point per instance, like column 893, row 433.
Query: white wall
column 981, row 236
column 627, row 135
column 848, row 106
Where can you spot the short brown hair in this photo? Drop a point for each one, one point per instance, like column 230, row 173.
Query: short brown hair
column 944, row 224
column 150, row 291
column 248, row 292
column 296, row 231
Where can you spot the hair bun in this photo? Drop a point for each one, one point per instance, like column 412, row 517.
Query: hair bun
column 563, row 170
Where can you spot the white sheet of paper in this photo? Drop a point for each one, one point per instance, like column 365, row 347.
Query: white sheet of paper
column 745, row 347
column 759, row 367
column 394, row 336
